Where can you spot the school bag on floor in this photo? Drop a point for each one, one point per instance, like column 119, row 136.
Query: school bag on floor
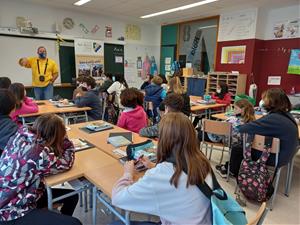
column 254, row 179
column 225, row 210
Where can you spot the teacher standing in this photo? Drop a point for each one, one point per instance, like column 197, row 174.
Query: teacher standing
column 44, row 73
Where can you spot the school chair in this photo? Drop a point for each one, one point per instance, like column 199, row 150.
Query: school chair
column 218, row 128
column 150, row 110
column 259, row 144
column 260, row 215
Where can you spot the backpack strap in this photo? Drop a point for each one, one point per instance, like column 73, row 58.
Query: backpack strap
column 267, row 149
column 248, row 146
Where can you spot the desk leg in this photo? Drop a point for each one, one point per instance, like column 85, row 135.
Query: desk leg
column 94, row 204
column 49, row 193
column 127, row 217
column 86, row 116
column 23, row 121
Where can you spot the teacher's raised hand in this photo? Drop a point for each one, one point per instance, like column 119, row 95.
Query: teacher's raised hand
column 23, row 61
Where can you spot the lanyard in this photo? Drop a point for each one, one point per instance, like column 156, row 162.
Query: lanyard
column 38, row 64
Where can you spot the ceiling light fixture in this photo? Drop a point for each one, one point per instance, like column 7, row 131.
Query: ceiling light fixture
column 179, row 8
column 81, row 2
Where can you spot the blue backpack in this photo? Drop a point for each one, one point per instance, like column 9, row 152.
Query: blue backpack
column 225, row 210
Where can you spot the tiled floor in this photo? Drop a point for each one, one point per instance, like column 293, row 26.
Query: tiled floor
column 286, row 210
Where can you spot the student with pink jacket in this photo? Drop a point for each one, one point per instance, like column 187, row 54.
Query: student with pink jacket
column 133, row 117
column 24, row 104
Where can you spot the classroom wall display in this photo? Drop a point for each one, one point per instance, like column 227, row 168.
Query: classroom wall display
column 233, row 54
column 197, row 43
column 89, row 57
column 135, row 67
column 294, row 64
column 286, row 29
column 237, row 26
column 132, row 32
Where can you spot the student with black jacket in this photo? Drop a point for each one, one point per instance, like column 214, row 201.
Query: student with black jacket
column 278, row 123
column 7, row 127
column 90, row 98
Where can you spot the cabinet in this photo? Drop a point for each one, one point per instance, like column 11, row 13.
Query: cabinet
column 236, row 82
column 195, row 86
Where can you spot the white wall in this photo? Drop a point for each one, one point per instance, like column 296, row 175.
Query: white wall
column 44, row 18
column 268, row 17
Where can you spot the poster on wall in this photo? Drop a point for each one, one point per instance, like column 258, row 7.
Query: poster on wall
column 89, row 57
column 286, row 29
column 233, row 54
column 132, row 32
column 294, row 64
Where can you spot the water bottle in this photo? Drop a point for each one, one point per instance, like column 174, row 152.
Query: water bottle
column 293, row 92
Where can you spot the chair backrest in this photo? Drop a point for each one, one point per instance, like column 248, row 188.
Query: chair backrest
column 216, row 127
column 148, row 105
column 260, row 215
column 259, row 143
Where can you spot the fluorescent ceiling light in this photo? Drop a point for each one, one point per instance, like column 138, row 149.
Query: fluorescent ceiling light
column 179, row 8
column 81, row 2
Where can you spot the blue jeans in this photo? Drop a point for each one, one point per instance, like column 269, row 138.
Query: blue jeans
column 43, row 93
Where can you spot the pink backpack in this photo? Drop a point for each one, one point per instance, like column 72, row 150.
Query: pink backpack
column 254, row 179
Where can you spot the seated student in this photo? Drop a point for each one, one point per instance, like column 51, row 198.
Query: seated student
column 172, row 103
column 79, row 86
column 278, row 123
column 243, row 113
column 176, row 87
column 164, row 84
column 222, row 96
column 154, row 93
column 147, row 81
column 5, row 82
column 24, row 105
column 7, row 127
column 107, row 82
column 35, row 153
column 119, row 84
column 89, row 98
column 168, row 189
column 133, row 117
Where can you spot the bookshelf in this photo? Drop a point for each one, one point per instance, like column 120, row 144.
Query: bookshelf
column 236, row 82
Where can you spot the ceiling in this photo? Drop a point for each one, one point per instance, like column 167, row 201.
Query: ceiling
column 131, row 10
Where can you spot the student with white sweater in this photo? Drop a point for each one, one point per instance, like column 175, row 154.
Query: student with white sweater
column 166, row 190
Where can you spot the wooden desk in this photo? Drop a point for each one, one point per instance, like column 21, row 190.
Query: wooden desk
column 222, row 116
column 87, row 160
column 202, row 107
column 48, row 107
column 99, row 139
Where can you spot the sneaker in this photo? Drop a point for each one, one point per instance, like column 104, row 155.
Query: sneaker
column 222, row 170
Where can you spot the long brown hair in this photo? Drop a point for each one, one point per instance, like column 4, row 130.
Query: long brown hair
column 248, row 113
column 175, row 86
column 18, row 90
column 275, row 100
column 178, row 141
column 51, row 129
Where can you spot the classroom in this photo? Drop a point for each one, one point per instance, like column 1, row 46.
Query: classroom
column 149, row 112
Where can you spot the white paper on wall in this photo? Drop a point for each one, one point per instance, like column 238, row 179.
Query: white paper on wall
column 238, row 25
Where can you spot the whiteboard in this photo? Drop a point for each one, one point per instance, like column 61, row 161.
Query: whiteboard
column 237, row 26
column 14, row 48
